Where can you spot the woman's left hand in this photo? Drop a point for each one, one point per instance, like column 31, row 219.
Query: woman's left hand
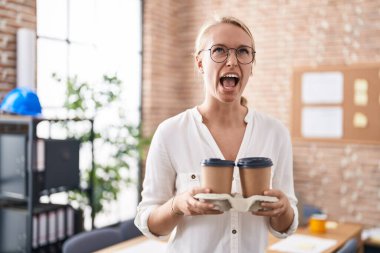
column 277, row 209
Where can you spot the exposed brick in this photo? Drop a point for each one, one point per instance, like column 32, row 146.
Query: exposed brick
column 288, row 35
column 14, row 14
column 341, row 178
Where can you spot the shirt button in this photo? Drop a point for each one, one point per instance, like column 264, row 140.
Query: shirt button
column 193, row 176
column 234, row 231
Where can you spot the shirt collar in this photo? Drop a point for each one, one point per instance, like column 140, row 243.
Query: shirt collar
column 198, row 116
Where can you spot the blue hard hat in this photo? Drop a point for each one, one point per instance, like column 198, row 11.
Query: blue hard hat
column 22, row 101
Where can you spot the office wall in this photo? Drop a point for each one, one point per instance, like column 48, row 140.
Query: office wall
column 341, row 178
column 289, row 34
column 14, row 14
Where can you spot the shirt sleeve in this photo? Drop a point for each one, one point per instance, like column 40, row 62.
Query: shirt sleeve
column 159, row 183
column 283, row 180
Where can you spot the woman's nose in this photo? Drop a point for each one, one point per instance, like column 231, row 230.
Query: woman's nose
column 231, row 58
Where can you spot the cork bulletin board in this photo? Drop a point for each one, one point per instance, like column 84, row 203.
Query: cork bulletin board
column 337, row 103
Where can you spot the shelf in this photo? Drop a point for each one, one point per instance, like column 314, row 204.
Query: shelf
column 12, row 196
column 15, row 119
column 7, row 200
column 30, row 167
column 16, row 183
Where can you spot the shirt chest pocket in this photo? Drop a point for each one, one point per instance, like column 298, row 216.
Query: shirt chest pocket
column 187, row 180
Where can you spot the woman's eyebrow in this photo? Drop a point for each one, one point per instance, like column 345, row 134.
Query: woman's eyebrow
column 220, row 44
column 242, row 45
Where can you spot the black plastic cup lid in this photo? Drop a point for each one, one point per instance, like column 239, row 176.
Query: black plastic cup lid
column 217, row 162
column 254, row 162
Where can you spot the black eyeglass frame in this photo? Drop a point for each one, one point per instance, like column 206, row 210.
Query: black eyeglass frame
column 228, row 53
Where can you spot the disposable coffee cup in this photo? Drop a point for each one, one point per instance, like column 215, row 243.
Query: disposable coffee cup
column 217, row 175
column 255, row 173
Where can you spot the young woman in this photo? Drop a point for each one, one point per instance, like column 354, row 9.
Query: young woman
column 222, row 127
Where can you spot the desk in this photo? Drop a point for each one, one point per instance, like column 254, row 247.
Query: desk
column 131, row 243
column 342, row 233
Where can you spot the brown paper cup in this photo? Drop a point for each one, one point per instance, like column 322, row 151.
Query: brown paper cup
column 255, row 173
column 217, row 175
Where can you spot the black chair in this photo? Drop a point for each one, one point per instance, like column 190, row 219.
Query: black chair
column 128, row 230
column 350, row 246
column 309, row 210
column 87, row 242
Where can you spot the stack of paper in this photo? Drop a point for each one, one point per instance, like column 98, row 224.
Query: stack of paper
column 303, row 244
column 146, row 246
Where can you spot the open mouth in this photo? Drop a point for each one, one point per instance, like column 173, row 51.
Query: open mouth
column 229, row 80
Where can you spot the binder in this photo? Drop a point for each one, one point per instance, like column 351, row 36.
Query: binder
column 70, row 221
column 42, row 229
column 61, row 224
column 40, row 155
column 52, row 234
column 35, row 232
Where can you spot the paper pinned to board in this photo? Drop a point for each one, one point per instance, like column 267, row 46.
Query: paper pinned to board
column 326, row 122
column 303, row 244
column 322, row 87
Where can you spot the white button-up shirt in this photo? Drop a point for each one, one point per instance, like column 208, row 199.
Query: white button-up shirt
column 174, row 165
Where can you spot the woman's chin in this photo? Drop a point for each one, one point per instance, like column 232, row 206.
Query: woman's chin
column 228, row 95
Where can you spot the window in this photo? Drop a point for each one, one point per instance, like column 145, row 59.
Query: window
column 89, row 38
column 337, row 103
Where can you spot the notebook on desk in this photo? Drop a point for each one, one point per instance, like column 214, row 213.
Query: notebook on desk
column 303, row 244
column 146, row 246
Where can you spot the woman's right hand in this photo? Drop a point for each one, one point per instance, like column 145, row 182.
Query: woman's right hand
column 188, row 205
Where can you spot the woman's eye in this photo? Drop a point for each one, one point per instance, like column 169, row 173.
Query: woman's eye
column 243, row 51
column 219, row 50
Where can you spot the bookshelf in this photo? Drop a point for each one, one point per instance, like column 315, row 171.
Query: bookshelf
column 29, row 167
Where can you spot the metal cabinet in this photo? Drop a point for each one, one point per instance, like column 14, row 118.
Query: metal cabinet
column 26, row 225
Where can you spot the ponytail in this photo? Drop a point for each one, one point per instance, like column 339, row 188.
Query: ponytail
column 243, row 101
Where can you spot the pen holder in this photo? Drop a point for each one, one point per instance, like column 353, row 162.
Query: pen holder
column 317, row 223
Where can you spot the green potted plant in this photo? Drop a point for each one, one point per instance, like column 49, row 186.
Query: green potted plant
column 118, row 141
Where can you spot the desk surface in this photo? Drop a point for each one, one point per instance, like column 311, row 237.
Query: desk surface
column 342, row 233
column 124, row 245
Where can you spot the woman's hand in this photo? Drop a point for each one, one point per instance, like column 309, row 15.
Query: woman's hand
column 188, row 205
column 281, row 213
column 277, row 209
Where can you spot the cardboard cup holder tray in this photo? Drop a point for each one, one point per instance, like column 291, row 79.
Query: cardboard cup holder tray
column 235, row 202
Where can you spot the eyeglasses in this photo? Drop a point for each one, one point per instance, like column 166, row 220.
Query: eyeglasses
column 220, row 53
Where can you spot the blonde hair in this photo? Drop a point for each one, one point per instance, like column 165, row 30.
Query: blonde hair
column 199, row 42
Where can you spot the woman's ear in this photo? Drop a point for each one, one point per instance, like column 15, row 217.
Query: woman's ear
column 199, row 64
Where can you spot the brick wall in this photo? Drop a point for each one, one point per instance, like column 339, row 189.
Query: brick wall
column 14, row 14
column 341, row 178
column 289, row 34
